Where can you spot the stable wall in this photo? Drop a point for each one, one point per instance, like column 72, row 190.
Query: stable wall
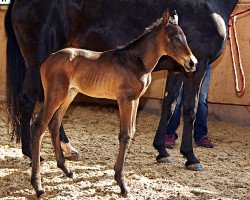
column 222, row 88
column 2, row 56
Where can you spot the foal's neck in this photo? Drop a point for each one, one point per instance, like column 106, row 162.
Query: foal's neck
column 148, row 48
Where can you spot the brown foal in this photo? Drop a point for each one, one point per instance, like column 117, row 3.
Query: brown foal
column 122, row 74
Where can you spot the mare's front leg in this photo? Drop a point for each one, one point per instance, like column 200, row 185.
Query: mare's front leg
column 126, row 115
column 174, row 84
column 191, row 89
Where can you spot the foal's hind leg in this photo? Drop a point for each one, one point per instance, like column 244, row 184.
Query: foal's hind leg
column 37, row 131
column 126, row 110
column 54, row 127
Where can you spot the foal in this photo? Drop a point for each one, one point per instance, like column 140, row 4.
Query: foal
column 122, row 74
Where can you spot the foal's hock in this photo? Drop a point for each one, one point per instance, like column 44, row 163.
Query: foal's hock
column 122, row 74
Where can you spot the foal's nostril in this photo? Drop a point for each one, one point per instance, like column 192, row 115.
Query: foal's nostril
column 191, row 63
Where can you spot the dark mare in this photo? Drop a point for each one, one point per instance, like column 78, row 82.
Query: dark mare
column 36, row 28
column 122, row 74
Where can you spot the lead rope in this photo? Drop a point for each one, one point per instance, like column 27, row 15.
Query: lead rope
column 232, row 25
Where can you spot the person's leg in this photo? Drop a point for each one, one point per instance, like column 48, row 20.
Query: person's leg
column 200, row 125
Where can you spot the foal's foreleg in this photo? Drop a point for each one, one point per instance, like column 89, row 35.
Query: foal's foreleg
column 54, row 127
column 126, row 109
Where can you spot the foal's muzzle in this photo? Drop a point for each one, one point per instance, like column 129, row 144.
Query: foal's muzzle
column 190, row 63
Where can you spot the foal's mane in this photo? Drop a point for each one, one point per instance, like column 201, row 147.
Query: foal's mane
column 157, row 23
column 147, row 30
column 152, row 26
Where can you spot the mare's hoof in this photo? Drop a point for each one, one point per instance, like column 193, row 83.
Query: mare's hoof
column 165, row 160
column 70, row 153
column 195, row 167
column 39, row 193
column 72, row 157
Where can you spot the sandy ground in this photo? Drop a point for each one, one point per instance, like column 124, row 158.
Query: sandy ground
column 93, row 131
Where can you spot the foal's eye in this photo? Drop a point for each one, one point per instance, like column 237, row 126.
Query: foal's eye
column 172, row 39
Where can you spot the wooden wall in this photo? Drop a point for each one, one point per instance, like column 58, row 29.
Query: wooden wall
column 2, row 55
column 222, row 82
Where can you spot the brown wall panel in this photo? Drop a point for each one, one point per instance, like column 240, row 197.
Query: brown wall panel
column 2, row 56
column 222, row 89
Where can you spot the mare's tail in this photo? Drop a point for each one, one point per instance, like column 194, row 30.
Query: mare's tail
column 15, row 73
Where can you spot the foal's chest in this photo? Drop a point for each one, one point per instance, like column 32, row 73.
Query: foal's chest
column 146, row 80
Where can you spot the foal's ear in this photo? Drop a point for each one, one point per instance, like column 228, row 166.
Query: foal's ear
column 165, row 17
column 175, row 17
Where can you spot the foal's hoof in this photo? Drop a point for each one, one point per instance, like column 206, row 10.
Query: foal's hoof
column 165, row 160
column 195, row 167
column 125, row 194
column 70, row 174
column 41, row 159
column 39, row 193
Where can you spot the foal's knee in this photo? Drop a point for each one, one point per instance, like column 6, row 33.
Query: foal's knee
column 124, row 138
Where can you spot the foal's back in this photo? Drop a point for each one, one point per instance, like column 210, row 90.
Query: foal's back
column 96, row 74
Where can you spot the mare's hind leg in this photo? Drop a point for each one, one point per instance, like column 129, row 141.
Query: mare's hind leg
column 27, row 101
column 126, row 110
column 69, row 151
column 54, row 127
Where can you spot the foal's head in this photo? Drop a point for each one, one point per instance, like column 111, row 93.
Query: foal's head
column 175, row 43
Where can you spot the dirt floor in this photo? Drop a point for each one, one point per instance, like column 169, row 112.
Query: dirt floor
column 93, row 131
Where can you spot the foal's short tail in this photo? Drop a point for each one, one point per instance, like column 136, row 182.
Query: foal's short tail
column 15, row 73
